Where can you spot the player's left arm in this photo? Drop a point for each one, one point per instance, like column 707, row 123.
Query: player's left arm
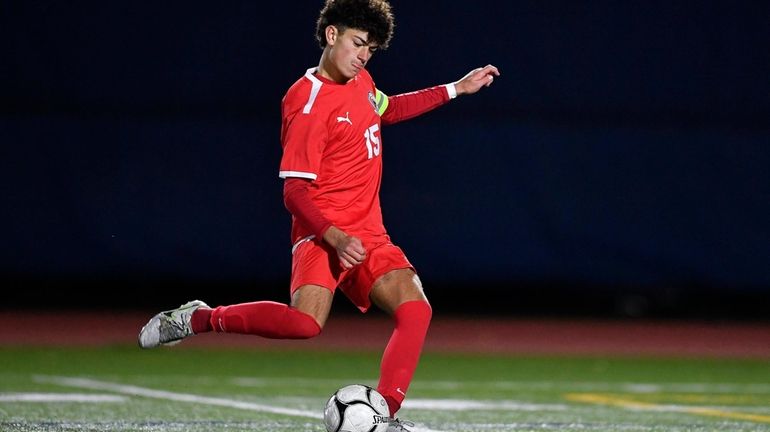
column 474, row 80
column 394, row 109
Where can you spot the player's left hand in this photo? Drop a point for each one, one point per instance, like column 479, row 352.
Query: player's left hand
column 476, row 79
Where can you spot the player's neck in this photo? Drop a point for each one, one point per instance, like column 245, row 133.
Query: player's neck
column 326, row 69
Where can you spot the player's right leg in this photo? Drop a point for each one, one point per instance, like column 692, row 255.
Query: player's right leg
column 302, row 320
column 312, row 290
column 313, row 281
column 311, row 302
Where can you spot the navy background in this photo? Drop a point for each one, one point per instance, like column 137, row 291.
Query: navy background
column 618, row 166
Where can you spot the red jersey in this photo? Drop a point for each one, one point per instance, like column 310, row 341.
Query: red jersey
column 330, row 134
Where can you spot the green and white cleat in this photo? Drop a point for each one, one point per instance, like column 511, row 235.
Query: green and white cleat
column 169, row 327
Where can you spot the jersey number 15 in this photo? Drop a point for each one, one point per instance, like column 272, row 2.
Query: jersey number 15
column 372, row 140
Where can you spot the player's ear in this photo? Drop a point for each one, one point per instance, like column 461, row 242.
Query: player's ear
column 331, row 34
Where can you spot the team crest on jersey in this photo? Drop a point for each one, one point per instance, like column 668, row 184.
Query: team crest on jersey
column 373, row 101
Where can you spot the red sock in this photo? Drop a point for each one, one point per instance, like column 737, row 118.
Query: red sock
column 200, row 320
column 403, row 352
column 267, row 319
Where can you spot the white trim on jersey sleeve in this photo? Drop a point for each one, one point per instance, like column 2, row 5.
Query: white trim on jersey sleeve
column 451, row 90
column 300, row 174
column 313, row 91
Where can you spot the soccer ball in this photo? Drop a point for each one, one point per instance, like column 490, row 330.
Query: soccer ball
column 356, row 408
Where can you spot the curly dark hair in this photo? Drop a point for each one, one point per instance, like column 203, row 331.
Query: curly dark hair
column 372, row 16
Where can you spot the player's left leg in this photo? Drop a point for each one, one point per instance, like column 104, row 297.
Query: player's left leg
column 399, row 293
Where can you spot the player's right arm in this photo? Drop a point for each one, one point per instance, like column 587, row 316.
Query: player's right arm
column 296, row 198
column 304, row 135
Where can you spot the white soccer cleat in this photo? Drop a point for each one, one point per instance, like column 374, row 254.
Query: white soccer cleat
column 396, row 425
column 169, row 327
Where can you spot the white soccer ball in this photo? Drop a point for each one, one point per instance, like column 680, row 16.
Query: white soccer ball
column 356, row 408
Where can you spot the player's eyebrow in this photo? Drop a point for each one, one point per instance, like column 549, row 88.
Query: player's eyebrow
column 362, row 40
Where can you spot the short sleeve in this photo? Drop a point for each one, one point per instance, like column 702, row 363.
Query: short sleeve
column 304, row 138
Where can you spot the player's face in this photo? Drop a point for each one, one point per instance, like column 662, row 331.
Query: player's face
column 350, row 50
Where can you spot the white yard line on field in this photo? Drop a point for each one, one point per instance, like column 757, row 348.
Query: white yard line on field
column 182, row 397
column 173, row 396
column 465, row 404
column 410, row 403
column 60, row 397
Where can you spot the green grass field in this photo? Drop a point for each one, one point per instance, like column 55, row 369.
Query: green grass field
column 192, row 389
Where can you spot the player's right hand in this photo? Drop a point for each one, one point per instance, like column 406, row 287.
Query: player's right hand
column 350, row 250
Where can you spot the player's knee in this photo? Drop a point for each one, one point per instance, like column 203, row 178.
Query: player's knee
column 307, row 327
column 424, row 312
column 416, row 313
column 311, row 332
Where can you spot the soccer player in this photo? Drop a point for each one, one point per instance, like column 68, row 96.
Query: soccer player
column 331, row 165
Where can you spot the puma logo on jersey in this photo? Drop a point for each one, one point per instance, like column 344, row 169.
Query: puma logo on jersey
column 345, row 119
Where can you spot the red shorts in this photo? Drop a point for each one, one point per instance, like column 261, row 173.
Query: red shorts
column 314, row 262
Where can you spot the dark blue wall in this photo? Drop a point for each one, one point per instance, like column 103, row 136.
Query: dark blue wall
column 623, row 154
